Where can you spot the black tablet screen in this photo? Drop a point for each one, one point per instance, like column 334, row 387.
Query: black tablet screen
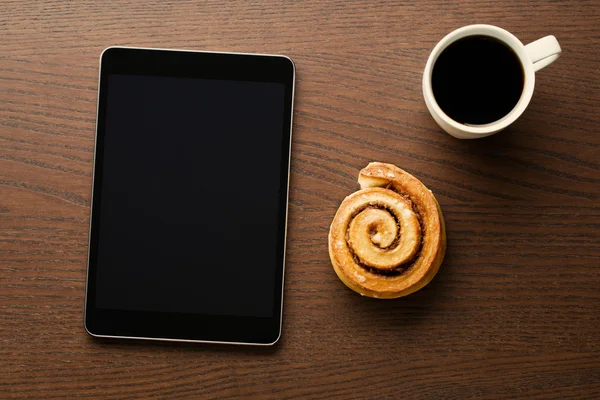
column 190, row 196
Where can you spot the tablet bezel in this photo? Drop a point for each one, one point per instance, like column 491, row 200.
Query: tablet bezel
column 113, row 323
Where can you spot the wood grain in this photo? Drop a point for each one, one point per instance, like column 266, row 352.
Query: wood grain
column 513, row 313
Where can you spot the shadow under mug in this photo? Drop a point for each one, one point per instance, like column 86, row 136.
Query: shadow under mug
column 533, row 57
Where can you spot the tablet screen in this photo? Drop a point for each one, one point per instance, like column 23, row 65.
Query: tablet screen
column 190, row 196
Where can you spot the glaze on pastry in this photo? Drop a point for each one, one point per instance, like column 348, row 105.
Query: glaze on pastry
column 388, row 239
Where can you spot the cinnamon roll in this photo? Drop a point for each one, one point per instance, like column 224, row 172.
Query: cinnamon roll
column 388, row 239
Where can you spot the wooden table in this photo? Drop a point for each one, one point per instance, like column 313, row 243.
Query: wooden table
column 515, row 309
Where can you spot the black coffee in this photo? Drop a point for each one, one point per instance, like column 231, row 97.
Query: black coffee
column 477, row 80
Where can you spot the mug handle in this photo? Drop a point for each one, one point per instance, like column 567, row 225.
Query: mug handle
column 543, row 52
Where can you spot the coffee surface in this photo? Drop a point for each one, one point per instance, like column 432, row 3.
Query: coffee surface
column 477, row 80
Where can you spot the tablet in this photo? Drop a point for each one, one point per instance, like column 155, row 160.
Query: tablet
column 189, row 198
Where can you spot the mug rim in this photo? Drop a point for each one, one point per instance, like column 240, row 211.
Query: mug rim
column 508, row 39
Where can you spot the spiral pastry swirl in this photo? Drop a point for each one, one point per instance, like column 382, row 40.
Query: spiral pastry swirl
column 388, row 239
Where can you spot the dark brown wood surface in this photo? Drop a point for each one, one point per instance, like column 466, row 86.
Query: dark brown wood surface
column 514, row 312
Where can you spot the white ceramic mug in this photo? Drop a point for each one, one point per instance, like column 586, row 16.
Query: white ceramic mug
column 533, row 57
